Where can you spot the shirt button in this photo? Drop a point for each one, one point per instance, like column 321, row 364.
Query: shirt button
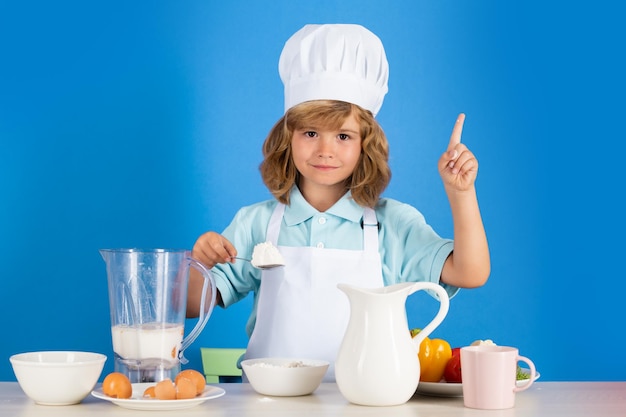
column 320, row 245
column 321, row 220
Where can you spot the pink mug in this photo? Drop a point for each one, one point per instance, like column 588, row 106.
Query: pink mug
column 489, row 376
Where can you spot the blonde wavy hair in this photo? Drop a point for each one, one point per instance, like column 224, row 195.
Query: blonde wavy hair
column 372, row 173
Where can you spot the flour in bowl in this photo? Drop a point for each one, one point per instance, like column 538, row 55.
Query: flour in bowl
column 294, row 364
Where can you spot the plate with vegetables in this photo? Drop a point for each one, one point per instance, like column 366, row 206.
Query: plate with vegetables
column 455, row 389
column 440, row 368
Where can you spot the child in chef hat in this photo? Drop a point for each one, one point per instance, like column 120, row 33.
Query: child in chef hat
column 326, row 164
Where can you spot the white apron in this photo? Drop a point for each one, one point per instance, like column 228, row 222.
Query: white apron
column 300, row 311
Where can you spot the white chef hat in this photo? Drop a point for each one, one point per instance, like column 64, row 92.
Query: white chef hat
column 343, row 62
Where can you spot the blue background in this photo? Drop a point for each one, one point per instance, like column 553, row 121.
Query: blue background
column 140, row 124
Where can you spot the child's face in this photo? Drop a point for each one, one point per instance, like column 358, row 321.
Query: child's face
column 325, row 158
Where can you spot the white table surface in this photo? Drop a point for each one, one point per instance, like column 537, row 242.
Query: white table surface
column 552, row 399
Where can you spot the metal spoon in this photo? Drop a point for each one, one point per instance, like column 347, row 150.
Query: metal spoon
column 268, row 266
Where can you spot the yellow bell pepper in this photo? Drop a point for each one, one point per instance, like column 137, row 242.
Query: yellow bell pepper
column 433, row 355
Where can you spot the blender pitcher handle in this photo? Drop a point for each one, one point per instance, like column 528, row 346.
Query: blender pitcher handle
column 205, row 312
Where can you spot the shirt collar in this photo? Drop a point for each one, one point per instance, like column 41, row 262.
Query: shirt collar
column 299, row 210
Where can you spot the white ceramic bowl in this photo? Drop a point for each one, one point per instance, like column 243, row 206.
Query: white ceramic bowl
column 284, row 377
column 57, row 377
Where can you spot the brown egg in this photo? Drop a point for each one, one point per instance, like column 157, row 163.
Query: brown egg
column 185, row 388
column 165, row 390
column 194, row 376
column 149, row 392
column 117, row 385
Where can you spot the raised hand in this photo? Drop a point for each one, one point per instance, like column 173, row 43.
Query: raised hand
column 457, row 166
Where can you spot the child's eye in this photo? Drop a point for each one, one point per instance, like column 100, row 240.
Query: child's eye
column 343, row 136
column 310, row 134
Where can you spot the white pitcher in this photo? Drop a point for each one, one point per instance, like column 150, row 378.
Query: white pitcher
column 377, row 363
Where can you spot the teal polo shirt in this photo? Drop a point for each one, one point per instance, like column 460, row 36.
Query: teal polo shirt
column 410, row 249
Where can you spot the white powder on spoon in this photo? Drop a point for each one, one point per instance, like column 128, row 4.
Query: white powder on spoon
column 266, row 254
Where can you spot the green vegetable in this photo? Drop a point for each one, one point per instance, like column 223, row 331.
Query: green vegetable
column 521, row 374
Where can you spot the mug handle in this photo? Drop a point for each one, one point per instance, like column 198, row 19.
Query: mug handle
column 532, row 376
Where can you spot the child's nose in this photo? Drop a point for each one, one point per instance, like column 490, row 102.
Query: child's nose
column 325, row 147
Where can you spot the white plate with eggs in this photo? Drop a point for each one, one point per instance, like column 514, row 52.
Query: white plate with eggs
column 138, row 402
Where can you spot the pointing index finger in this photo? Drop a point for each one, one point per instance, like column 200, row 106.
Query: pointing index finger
column 455, row 137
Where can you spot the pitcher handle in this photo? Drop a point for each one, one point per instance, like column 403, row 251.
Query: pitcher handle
column 204, row 315
column 444, row 305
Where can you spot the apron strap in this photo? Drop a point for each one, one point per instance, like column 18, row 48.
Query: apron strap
column 370, row 231
column 273, row 228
